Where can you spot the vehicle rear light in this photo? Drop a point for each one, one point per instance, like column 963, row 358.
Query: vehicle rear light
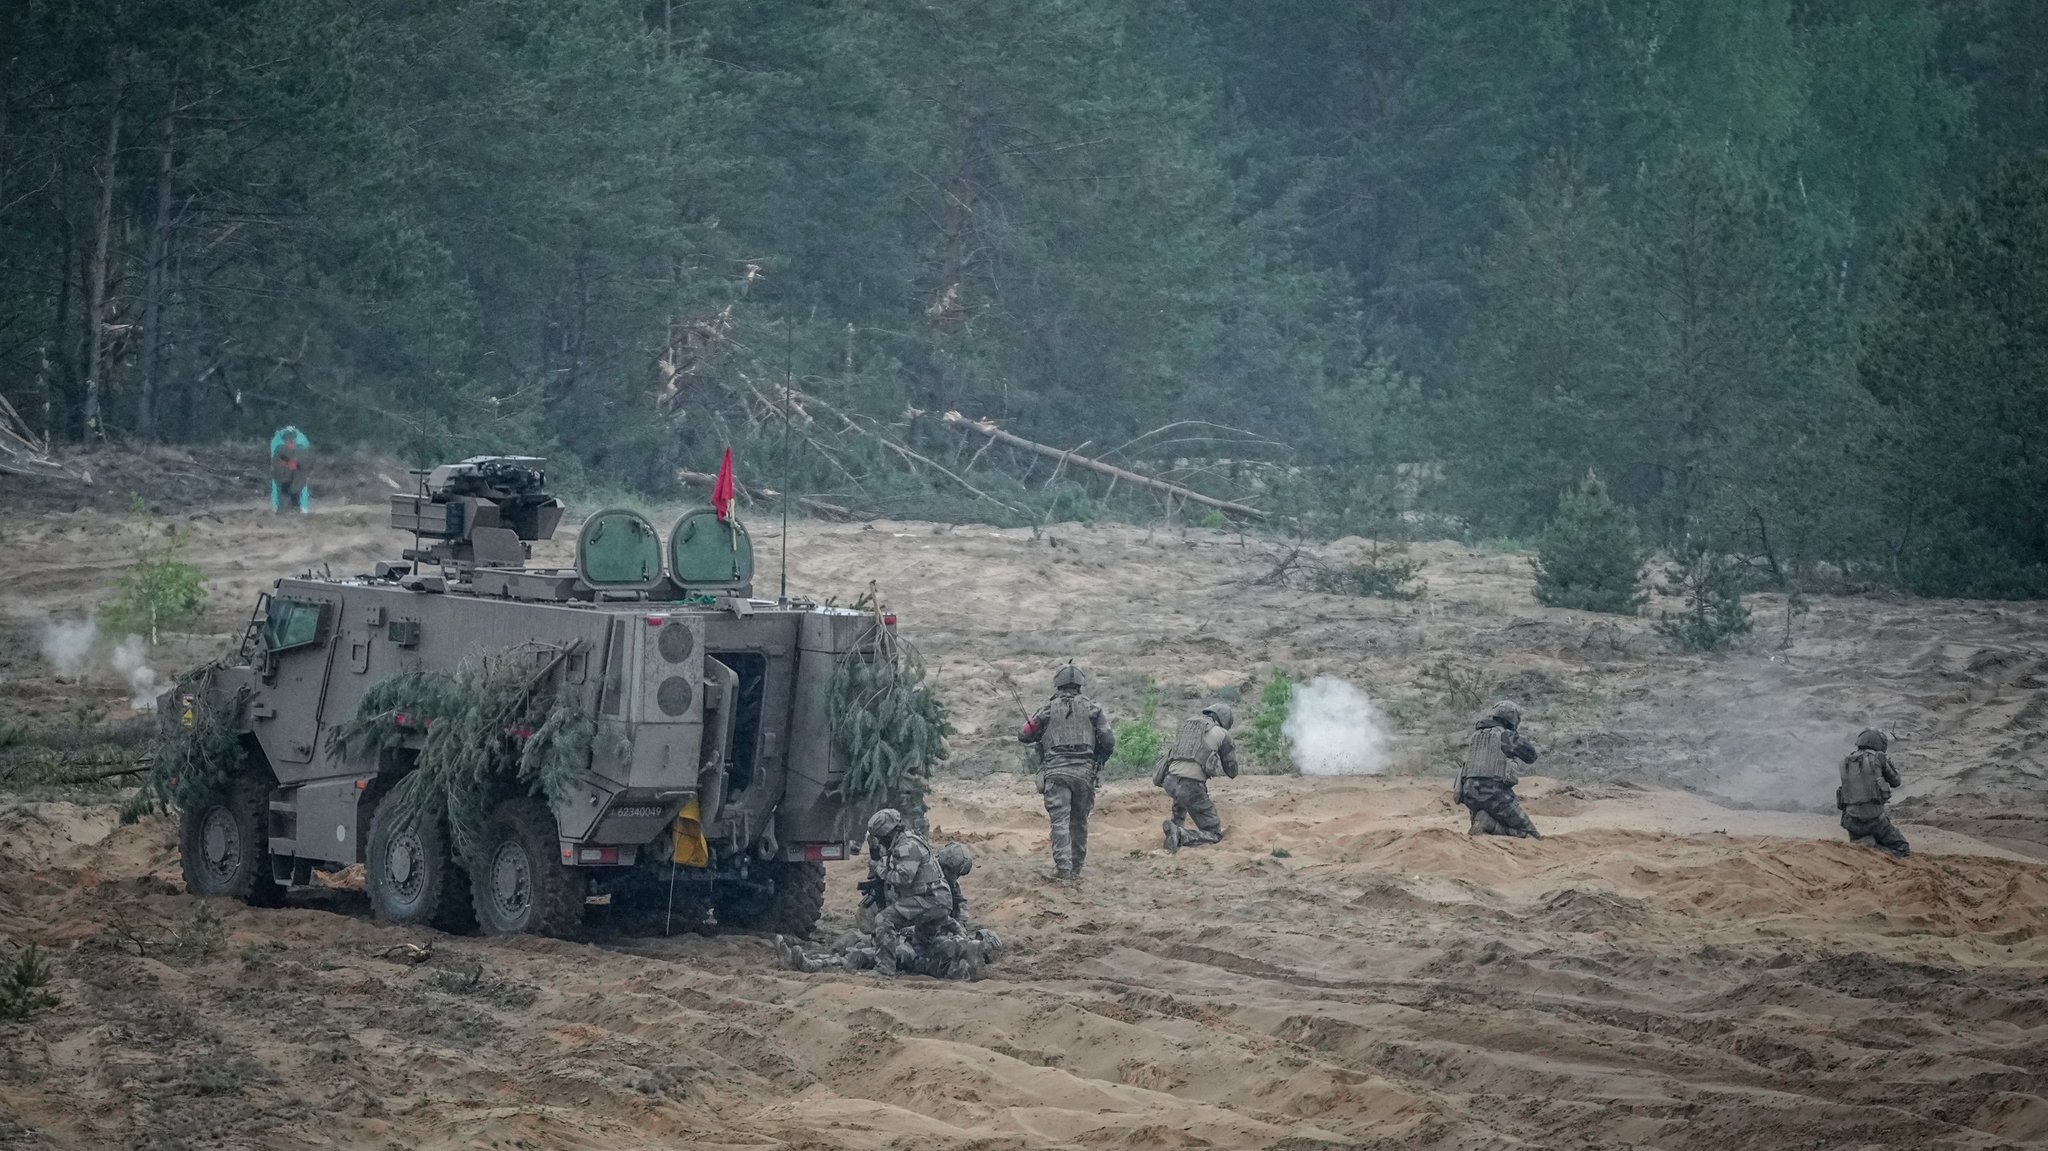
column 889, row 620
column 819, row 852
column 598, row 855
column 656, row 620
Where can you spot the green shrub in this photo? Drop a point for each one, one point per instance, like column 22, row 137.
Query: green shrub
column 1261, row 737
column 1140, row 741
column 1713, row 615
column 1591, row 557
column 21, row 992
column 1385, row 572
column 159, row 592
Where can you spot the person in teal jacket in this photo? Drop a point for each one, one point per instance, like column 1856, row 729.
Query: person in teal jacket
column 289, row 462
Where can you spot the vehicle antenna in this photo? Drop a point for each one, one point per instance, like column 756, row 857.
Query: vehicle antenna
column 788, row 382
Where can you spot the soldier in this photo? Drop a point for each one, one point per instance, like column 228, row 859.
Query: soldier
column 1074, row 739
column 1201, row 750
column 956, row 861
column 1486, row 782
column 288, row 468
column 944, row 954
column 1867, row 781
column 918, row 894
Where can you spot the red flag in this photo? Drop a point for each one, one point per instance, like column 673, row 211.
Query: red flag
column 721, row 492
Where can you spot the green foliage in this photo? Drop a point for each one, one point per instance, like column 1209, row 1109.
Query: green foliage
column 1955, row 352
column 1282, row 853
column 1386, row 571
column 886, row 719
column 22, row 992
column 1260, row 735
column 1712, row 615
column 496, row 726
column 1140, row 741
column 197, row 756
column 161, row 591
column 1592, row 556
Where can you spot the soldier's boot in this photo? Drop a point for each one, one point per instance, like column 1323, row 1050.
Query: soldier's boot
column 1170, row 835
column 788, row 954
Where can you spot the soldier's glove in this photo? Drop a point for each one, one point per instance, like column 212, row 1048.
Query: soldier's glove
column 872, row 892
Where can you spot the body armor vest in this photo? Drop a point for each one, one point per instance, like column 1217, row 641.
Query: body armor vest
column 930, row 876
column 1484, row 758
column 1191, row 745
column 1863, row 778
column 1070, row 727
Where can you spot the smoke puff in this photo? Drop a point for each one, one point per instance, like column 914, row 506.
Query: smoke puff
column 1334, row 729
column 67, row 645
column 131, row 659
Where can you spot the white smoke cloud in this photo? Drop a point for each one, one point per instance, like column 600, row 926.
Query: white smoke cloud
column 131, row 659
column 67, row 645
column 1335, row 730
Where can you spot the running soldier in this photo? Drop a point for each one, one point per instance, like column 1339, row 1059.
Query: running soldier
column 1201, row 750
column 1486, row 781
column 1867, row 781
column 1074, row 740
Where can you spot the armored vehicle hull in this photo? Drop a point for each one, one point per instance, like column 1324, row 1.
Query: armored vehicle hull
column 712, row 767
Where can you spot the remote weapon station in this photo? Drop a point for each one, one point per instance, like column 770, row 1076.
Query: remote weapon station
column 706, row 776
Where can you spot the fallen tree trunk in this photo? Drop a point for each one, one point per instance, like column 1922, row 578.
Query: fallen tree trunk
column 831, row 510
column 994, row 433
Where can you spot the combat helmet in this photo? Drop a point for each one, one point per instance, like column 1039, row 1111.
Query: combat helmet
column 991, row 944
column 1221, row 713
column 1507, row 713
column 885, row 824
column 955, row 859
column 1872, row 739
column 1069, row 676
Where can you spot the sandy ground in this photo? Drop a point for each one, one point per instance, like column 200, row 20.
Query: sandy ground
column 1691, row 958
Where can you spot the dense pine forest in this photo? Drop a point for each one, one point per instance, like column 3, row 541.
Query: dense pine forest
column 1775, row 270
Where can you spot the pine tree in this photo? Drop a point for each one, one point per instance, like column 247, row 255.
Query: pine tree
column 1712, row 615
column 1591, row 558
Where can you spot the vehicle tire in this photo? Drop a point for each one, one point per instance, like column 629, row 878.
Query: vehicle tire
column 412, row 875
column 523, row 889
column 791, row 908
column 224, row 845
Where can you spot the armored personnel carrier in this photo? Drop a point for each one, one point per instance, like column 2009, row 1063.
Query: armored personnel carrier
column 712, row 768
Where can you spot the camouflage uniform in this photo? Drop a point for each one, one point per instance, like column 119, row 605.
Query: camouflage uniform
column 1075, row 739
column 918, row 894
column 1486, row 781
column 1201, row 750
column 1867, row 781
column 947, row 954
column 288, row 468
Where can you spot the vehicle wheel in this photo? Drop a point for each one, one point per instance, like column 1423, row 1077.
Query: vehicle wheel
column 523, row 888
column 224, row 845
column 412, row 875
column 791, row 908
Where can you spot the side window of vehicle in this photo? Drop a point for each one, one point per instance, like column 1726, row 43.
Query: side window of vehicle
column 293, row 623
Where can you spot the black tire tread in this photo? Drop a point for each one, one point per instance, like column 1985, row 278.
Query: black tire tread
column 451, row 906
column 558, row 890
column 248, row 800
column 794, row 908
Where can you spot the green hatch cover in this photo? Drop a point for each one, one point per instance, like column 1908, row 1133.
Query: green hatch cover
column 702, row 552
column 619, row 549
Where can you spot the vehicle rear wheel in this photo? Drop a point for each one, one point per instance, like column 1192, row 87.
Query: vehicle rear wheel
column 791, row 907
column 523, row 889
column 224, row 845
column 412, row 875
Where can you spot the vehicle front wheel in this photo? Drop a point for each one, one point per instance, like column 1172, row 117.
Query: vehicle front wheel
column 412, row 875
column 522, row 888
column 224, row 845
